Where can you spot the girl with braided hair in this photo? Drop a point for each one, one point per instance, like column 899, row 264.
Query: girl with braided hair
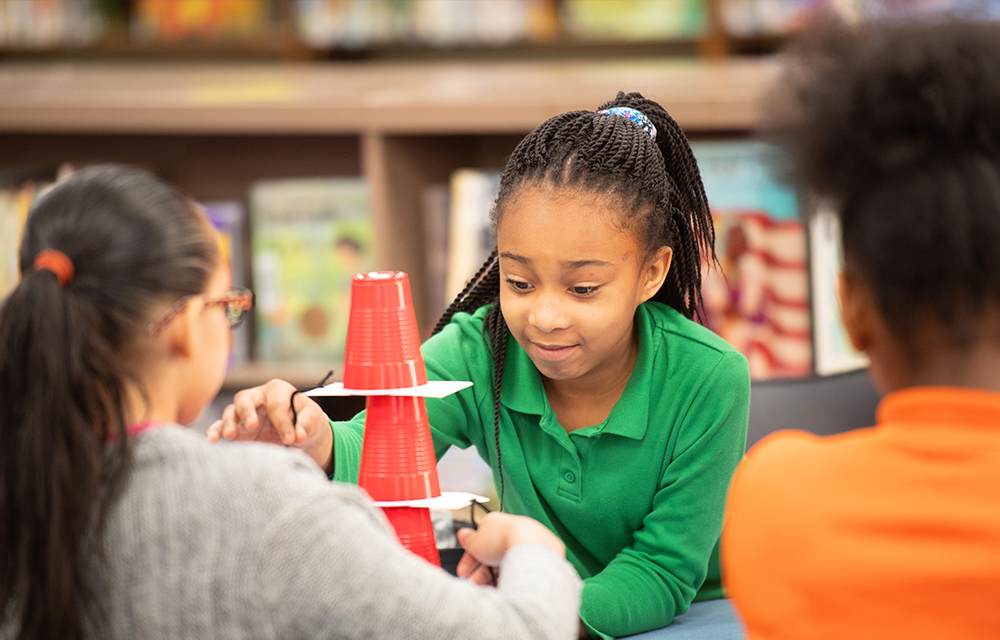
column 605, row 410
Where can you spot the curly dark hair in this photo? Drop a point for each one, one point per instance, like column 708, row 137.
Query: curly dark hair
column 898, row 127
column 657, row 184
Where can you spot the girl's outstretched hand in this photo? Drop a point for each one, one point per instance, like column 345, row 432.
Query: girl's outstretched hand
column 264, row 414
column 497, row 534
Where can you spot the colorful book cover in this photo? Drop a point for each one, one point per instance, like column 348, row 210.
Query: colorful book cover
column 470, row 238
column 15, row 202
column 758, row 297
column 635, row 20
column 229, row 219
column 309, row 237
column 182, row 20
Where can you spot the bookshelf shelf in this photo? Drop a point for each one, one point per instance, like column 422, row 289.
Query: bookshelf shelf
column 390, row 98
column 215, row 128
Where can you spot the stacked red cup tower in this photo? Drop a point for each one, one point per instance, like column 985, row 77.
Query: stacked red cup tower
column 397, row 456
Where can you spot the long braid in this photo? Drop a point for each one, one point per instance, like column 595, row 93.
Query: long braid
column 658, row 184
column 498, row 333
column 473, row 295
column 483, row 289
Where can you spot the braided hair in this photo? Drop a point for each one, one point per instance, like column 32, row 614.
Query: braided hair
column 657, row 184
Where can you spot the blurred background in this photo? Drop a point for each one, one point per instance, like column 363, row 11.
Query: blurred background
column 330, row 137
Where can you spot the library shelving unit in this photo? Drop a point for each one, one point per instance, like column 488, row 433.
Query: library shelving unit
column 215, row 128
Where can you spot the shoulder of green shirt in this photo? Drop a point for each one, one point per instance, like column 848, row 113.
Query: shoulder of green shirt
column 465, row 330
column 667, row 319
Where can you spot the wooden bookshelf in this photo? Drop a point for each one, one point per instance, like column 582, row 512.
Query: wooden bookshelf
column 215, row 128
column 358, row 98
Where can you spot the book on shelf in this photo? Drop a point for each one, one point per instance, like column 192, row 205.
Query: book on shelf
column 19, row 188
column 173, row 21
column 309, row 237
column 434, row 205
column 356, row 24
column 47, row 24
column 763, row 18
column 14, row 205
column 229, row 219
column 769, row 18
column 635, row 20
column 834, row 351
column 757, row 299
column 470, row 238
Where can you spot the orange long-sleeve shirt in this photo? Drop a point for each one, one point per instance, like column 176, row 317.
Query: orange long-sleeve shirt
column 887, row 532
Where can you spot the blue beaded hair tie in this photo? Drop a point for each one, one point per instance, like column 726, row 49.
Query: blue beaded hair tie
column 635, row 116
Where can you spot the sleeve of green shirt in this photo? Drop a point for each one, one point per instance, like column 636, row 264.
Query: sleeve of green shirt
column 456, row 353
column 655, row 579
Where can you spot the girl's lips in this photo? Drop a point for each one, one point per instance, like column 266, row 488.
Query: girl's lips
column 551, row 352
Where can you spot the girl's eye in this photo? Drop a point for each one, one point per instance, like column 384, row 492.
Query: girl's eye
column 584, row 291
column 519, row 285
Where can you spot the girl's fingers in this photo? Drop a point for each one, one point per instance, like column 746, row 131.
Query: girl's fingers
column 245, row 404
column 471, row 569
column 214, row 431
column 481, row 576
column 264, row 413
column 276, row 396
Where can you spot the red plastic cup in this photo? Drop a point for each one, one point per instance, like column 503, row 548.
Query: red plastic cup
column 397, row 455
column 383, row 345
column 415, row 531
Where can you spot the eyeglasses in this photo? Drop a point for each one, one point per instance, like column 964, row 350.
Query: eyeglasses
column 236, row 301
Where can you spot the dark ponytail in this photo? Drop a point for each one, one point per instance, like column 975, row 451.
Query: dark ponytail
column 656, row 182
column 64, row 456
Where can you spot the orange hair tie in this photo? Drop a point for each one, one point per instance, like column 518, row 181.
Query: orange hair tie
column 58, row 263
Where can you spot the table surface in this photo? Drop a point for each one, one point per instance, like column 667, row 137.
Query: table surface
column 709, row 620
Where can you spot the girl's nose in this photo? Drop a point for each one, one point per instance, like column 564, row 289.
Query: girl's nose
column 547, row 314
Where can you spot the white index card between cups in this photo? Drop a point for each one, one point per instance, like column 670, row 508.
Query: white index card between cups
column 433, row 389
column 447, row 500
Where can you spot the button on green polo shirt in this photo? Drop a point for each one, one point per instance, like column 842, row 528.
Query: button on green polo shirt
column 637, row 499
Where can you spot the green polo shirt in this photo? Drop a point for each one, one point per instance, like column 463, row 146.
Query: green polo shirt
column 638, row 499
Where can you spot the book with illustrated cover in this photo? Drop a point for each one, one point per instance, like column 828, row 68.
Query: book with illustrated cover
column 229, row 219
column 635, row 20
column 15, row 202
column 758, row 297
column 309, row 237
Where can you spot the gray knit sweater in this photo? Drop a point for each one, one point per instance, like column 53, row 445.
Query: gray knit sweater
column 241, row 540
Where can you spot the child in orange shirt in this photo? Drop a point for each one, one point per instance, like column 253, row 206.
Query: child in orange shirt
column 892, row 531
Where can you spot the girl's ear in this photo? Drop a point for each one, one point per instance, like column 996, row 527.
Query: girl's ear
column 655, row 272
column 856, row 309
column 180, row 331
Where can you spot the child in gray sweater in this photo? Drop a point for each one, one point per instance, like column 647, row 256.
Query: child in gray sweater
column 118, row 522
